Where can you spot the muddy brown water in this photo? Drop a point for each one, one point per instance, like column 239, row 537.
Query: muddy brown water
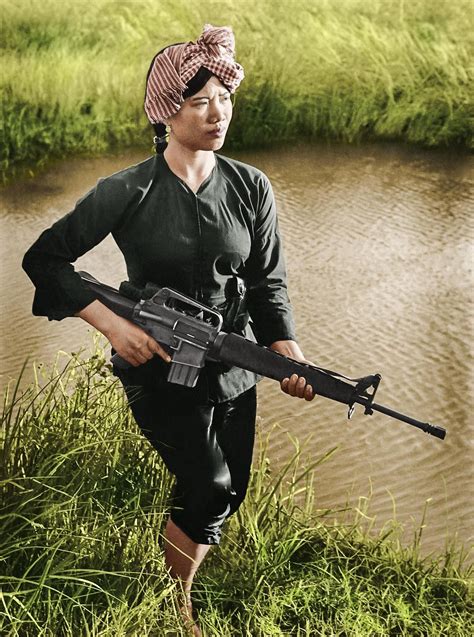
column 379, row 252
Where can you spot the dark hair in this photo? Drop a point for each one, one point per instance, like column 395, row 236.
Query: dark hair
column 194, row 85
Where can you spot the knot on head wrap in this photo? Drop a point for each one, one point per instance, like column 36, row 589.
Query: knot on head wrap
column 217, row 42
column 177, row 64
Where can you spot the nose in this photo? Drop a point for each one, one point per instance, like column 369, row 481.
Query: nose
column 217, row 110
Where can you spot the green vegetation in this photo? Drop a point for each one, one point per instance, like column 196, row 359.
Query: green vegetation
column 74, row 72
column 83, row 501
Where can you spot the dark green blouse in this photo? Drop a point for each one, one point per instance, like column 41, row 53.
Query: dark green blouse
column 172, row 237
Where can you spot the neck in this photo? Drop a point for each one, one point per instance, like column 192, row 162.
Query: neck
column 188, row 163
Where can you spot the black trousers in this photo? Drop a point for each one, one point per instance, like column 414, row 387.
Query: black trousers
column 207, row 446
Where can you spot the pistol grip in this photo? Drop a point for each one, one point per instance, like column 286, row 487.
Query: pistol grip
column 120, row 362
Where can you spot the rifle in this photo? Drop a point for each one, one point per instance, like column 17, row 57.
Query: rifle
column 192, row 334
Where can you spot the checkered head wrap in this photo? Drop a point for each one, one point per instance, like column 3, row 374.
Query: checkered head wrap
column 177, row 64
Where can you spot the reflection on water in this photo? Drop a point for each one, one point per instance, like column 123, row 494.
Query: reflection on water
column 379, row 251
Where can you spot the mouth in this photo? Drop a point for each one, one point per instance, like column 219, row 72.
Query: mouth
column 217, row 132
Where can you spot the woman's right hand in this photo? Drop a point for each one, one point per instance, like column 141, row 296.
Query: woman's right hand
column 129, row 341
column 133, row 344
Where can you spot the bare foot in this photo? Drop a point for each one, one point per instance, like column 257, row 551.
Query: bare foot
column 186, row 611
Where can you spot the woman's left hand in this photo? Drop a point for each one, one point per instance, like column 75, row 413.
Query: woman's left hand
column 296, row 385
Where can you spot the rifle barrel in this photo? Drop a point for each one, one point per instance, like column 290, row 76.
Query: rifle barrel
column 433, row 430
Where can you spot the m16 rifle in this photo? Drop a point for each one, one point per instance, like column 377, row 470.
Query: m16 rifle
column 192, row 333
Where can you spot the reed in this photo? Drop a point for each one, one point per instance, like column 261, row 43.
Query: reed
column 73, row 74
column 84, row 501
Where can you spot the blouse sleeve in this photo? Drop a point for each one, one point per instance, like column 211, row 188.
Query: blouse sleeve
column 60, row 291
column 267, row 296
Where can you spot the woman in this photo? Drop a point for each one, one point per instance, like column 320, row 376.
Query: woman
column 194, row 221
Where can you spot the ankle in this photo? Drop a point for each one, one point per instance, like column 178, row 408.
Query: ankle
column 189, row 618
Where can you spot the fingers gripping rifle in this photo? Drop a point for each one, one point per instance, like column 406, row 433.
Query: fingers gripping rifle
column 192, row 334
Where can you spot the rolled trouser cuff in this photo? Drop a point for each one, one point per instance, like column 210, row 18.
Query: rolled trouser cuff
column 210, row 533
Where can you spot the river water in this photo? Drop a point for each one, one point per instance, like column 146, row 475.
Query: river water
column 379, row 251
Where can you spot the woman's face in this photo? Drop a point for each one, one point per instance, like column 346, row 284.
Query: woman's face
column 203, row 119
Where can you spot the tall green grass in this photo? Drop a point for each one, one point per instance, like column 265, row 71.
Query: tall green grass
column 74, row 72
column 83, row 505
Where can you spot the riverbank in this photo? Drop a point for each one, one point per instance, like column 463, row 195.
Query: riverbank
column 83, row 501
column 73, row 79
